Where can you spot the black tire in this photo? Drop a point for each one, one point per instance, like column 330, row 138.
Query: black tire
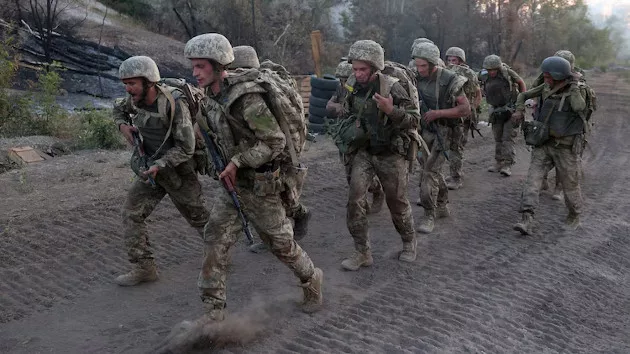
column 316, row 128
column 324, row 94
column 317, row 119
column 324, row 84
column 317, row 111
column 317, row 102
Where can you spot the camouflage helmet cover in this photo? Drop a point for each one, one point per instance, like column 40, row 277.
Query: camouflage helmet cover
column 427, row 51
column 344, row 69
column 456, row 52
column 566, row 55
column 368, row 51
column 420, row 40
column 245, row 57
column 139, row 66
column 558, row 67
column 212, row 46
column 492, row 62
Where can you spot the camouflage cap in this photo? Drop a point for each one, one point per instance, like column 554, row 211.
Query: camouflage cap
column 344, row 69
column 492, row 62
column 558, row 67
column 566, row 55
column 212, row 46
column 245, row 57
column 420, row 40
column 139, row 66
column 368, row 51
column 427, row 51
column 456, row 52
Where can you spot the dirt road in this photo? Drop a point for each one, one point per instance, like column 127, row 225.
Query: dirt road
column 476, row 287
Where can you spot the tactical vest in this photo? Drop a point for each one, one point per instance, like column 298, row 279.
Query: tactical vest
column 427, row 90
column 563, row 121
column 498, row 91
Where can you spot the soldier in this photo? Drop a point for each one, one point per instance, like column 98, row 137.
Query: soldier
column 160, row 114
column 412, row 63
column 245, row 57
column 334, row 107
column 255, row 150
column 563, row 112
column 378, row 104
column 456, row 59
column 501, row 86
column 557, row 192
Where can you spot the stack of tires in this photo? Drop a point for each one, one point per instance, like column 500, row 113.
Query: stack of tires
column 322, row 89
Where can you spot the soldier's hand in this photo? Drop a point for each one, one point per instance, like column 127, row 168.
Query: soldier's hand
column 151, row 172
column 385, row 104
column 228, row 176
column 127, row 131
column 517, row 117
column 430, row 116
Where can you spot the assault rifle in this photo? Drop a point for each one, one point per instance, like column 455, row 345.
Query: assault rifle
column 219, row 166
column 432, row 127
column 137, row 144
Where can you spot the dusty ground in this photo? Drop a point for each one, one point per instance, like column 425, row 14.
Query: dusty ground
column 476, row 287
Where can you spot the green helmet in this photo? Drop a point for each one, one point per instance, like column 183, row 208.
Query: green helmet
column 139, row 66
column 566, row 55
column 427, row 51
column 492, row 62
column 212, row 46
column 420, row 40
column 559, row 68
column 344, row 69
column 245, row 57
column 368, row 51
column 456, row 52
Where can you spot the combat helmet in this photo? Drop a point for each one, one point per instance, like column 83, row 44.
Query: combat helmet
column 456, row 52
column 211, row 46
column 420, row 40
column 559, row 68
column 139, row 66
column 492, row 62
column 245, row 57
column 427, row 51
column 566, row 55
column 344, row 69
column 368, row 51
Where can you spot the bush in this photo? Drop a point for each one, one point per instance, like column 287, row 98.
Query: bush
column 97, row 130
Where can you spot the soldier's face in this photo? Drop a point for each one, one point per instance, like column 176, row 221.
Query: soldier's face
column 203, row 72
column 134, row 88
column 423, row 67
column 451, row 60
column 362, row 71
column 493, row 72
column 549, row 79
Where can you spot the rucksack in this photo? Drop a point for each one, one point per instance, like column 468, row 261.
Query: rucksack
column 406, row 77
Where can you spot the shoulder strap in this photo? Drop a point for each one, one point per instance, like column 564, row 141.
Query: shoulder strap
column 171, row 101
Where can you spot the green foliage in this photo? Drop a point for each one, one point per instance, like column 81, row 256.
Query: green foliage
column 14, row 110
column 134, row 8
column 97, row 130
column 51, row 117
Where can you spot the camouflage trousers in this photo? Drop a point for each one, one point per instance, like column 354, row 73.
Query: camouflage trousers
column 268, row 216
column 458, row 136
column 293, row 182
column 393, row 172
column 504, row 134
column 433, row 190
column 142, row 199
column 559, row 154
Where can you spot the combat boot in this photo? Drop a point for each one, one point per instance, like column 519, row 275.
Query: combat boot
column 557, row 194
column 313, row 292
column 506, row 171
column 495, row 168
column 454, row 183
column 442, row 211
column 212, row 312
column 419, row 202
column 525, row 226
column 142, row 272
column 408, row 253
column 358, row 260
column 573, row 221
column 378, row 198
column 428, row 223
column 300, row 225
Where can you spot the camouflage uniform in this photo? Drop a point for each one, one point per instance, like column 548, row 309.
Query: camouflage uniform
column 562, row 150
column 177, row 176
column 501, row 94
column 383, row 153
column 458, row 134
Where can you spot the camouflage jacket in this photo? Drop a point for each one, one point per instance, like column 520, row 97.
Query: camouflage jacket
column 471, row 86
column 577, row 95
column 153, row 122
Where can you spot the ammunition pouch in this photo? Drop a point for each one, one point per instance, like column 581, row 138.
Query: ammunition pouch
column 349, row 134
column 268, row 183
column 536, row 133
column 500, row 115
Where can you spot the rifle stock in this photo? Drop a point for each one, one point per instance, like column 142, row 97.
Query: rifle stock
column 219, row 166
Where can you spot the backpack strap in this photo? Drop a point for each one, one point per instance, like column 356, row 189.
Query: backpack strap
column 171, row 101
